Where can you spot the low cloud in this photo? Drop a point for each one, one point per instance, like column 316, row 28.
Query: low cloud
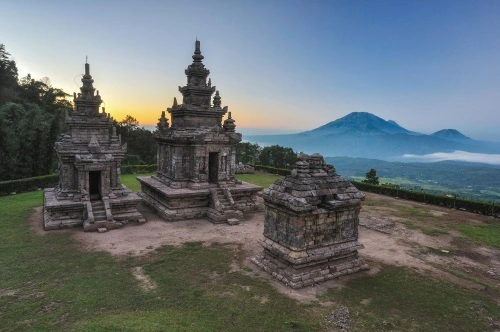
column 457, row 156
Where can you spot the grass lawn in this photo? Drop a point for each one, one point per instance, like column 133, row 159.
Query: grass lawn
column 263, row 180
column 130, row 181
column 48, row 283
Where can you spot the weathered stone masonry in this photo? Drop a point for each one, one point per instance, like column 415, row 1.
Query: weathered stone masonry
column 311, row 225
column 89, row 192
column 197, row 156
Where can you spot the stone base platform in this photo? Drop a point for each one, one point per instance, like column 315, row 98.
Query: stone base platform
column 73, row 212
column 173, row 204
column 299, row 269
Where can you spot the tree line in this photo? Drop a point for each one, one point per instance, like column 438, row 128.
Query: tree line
column 275, row 156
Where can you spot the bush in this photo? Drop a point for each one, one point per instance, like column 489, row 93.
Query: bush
column 28, row 184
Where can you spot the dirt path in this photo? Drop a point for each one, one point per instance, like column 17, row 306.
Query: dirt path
column 383, row 232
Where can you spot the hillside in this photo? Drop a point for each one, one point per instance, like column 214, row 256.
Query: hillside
column 475, row 181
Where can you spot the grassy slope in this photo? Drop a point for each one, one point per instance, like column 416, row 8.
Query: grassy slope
column 47, row 283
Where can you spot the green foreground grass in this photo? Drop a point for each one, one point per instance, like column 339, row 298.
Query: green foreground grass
column 48, row 283
column 488, row 234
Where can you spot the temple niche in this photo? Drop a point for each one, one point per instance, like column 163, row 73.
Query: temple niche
column 89, row 192
column 196, row 156
column 311, row 225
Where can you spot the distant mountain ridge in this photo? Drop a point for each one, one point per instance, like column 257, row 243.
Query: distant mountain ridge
column 362, row 122
column 362, row 134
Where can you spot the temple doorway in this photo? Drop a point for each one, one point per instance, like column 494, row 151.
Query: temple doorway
column 95, row 185
column 213, row 167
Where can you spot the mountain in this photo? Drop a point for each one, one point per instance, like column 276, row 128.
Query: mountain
column 365, row 135
column 451, row 134
column 360, row 123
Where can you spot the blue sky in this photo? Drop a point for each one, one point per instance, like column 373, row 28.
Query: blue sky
column 288, row 65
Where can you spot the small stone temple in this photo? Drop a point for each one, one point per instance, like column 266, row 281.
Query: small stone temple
column 311, row 225
column 195, row 175
column 89, row 192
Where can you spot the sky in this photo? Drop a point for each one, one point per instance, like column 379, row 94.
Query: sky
column 280, row 65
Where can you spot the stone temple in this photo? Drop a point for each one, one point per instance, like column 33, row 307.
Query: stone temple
column 311, row 225
column 89, row 192
column 196, row 157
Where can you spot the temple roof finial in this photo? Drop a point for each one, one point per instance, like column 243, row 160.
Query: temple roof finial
column 197, row 57
column 229, row 123
column 217, row 99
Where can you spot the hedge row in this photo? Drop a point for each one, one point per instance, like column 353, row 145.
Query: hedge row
column 28, row 184
column 48, row 181
column 489, row 209
column 485, row 208
column 273, row 170
column 138, row 169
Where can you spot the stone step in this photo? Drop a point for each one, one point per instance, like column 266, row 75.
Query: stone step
column 236, row 214
column 130, row 215
column 99, row 214
column 233, row 221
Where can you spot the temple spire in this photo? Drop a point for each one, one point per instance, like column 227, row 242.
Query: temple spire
column 87, row 66
column 197, row 57
column 87, row 87
column 87, row 101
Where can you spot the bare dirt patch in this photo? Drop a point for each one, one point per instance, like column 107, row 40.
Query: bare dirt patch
column 384, row 232
column 146, row 282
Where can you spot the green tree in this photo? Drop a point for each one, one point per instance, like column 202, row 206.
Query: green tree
column 141, row 145
column 42, row 93
column 278, row 156
column 31, row 120
column 247, row 153
column 8, row 77
column 371, row 177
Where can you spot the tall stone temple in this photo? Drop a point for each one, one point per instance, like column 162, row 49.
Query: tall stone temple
column 197, row 156
column 89, row 192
